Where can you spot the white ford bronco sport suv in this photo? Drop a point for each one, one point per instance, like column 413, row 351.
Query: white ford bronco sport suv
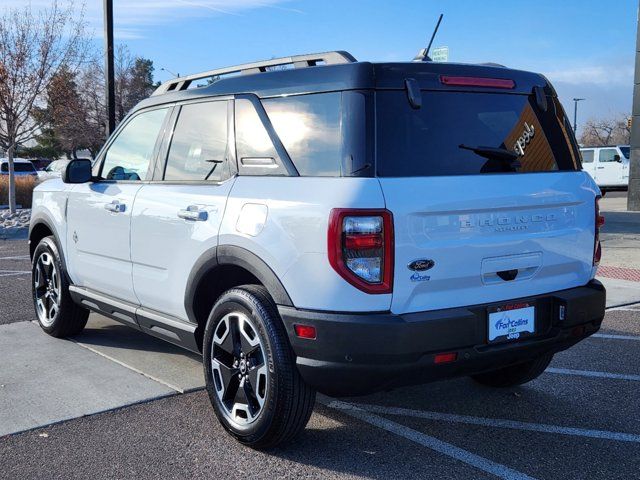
column 335, row 226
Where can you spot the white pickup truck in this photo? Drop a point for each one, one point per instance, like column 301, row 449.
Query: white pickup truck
column 608, row 166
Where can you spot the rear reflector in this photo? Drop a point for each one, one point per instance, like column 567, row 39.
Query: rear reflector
column 445, row 357
column 305, row 331
column 477, row 82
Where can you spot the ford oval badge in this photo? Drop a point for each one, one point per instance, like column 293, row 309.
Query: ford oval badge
column 421, row 265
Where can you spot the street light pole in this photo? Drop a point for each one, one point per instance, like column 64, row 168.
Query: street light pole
column 633, row 197
column 575, row 113
column 109, row 67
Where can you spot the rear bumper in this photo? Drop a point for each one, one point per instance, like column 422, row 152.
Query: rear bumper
column 357, row 354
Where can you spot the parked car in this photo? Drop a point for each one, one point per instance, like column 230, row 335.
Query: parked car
column 53, row 170
column 608, row 165
column 21, row 167
column 339, row 226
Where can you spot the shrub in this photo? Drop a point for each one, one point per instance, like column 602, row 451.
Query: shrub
column 24, row 190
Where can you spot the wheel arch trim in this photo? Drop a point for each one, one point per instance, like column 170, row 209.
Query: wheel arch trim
column 41, row 219
column 240, row 257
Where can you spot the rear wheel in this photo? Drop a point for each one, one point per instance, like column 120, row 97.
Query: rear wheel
column 57, row 313
column 251, row 377
column 515, row 374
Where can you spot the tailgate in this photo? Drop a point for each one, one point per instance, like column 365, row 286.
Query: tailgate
column 488, row 237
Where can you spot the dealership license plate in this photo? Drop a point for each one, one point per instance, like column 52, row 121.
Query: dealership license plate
column 511, row 322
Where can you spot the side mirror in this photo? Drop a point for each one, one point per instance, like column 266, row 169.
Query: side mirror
column 77, row 171
column 617, row 158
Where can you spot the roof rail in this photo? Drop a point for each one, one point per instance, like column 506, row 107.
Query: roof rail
column 298, row 61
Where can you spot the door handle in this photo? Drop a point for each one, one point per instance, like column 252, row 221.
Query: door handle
column 194, row 213
column 115, row 207
column 600, row 168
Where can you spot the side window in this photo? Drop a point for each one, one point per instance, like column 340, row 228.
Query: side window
column 607, row 155
column 256, row 153
column 198, row 148
column 309, row 127
column 129, row 155
column 587, row 156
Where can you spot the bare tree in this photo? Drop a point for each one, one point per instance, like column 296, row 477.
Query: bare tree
column 91, row 84
column 133, row 79
column 606, row 131
column 33, row 49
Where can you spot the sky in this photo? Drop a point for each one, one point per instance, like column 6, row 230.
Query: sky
column 585, row 47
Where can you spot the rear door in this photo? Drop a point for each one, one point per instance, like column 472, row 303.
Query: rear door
column 177, row 216
column 609, row 167
column 489, row 225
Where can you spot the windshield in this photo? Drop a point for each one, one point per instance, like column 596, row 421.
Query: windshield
column 626, row 151
column 456, row 133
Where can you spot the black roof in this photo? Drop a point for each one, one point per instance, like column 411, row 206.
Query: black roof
column 350, row 76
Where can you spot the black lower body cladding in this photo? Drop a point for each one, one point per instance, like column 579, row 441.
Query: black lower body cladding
column 358, row 354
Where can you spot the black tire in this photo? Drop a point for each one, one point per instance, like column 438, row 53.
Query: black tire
column 515, row 374
column 57, row 313
column 269, row 374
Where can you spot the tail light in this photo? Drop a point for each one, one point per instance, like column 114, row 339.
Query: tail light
column 599, row 222
column 360, row 246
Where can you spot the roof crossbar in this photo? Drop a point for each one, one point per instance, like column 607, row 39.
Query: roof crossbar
column 298, row 61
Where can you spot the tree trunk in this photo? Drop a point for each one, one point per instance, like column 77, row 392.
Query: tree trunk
column 12, row 181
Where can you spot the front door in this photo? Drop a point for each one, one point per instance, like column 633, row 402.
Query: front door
column 99, row 212
column 177, row 217
column 609, row 167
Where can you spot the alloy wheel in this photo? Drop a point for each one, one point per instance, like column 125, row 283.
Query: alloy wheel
column 46, row 289
column 239, row 368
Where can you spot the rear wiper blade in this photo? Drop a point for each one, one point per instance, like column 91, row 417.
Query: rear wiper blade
column 493, row 153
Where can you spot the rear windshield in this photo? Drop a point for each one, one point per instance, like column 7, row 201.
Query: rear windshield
column 17, row 167
column 429, row 141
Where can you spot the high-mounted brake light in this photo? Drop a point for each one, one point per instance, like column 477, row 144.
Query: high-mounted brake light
column 360, row 247
column 599, row 222
column 477, row 82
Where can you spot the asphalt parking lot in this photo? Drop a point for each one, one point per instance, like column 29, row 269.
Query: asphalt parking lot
column 581, row 419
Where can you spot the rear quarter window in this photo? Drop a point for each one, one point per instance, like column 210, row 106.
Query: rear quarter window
column 309, row 127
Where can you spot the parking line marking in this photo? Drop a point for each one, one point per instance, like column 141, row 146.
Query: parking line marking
column 16, row 257
column 616, row 337
column 590, row 373
column 501, row 423
column 481, row 463
column 9, row 273
column 133, row 369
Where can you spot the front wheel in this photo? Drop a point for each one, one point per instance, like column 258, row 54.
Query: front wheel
column 515, row 374
column 250, row 372
column 57, row 313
